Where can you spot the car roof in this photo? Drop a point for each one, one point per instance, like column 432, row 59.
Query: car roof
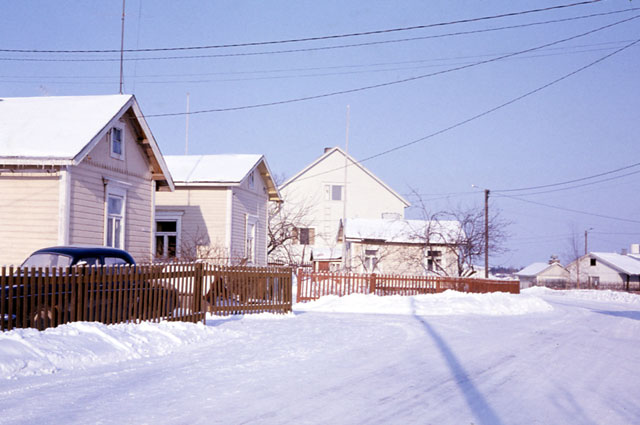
column 78, row 251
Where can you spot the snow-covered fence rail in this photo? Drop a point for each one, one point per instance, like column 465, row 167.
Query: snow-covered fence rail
column 42, row 298
column 313, row 285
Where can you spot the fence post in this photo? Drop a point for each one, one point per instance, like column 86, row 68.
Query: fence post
column 372, row 283
column 198, row 284
column 297, row 285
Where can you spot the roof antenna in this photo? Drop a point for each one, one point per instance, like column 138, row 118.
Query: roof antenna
column 122, row 48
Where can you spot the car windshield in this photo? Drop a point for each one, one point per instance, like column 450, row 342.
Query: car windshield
column 47, row 260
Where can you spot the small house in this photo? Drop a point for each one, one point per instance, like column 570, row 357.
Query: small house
column 79, row 170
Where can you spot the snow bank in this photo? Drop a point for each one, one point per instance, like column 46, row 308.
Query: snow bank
column 446, row 303
column 585, row 294
column 30, row 352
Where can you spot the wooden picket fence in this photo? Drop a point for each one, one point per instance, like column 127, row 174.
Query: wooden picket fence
column 313, row 285
column 42, row 298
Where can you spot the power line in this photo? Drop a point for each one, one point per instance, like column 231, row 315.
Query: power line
column 572, row 181
column 405, row 80
column 489, row 111
column 321, row 48
column 568, row 209
column 317, row 38
column 108, row 79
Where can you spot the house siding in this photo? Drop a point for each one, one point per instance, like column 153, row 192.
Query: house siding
column 204, row 216
column 253, row 202
column 89, row 182
column 366, row 197
column 29, row 214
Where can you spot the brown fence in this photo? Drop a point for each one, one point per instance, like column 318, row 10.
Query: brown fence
column 312, row 285
column 43, row 298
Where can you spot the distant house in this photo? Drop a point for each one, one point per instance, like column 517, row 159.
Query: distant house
column 415, row 247
column 218, row 210
column 77, row 170
column 606, row 270
column 319, row 191
column 550, row 274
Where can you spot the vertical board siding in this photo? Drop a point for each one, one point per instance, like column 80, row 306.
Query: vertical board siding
column 204, row 213
column 29, row 214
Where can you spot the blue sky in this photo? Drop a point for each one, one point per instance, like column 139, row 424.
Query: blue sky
column 584, row 125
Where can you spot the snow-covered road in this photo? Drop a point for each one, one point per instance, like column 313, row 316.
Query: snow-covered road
column 575, row 364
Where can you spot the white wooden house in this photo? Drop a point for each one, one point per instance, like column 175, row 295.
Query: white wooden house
column 77, row 170
column 605, row 270
column 551, row 274
column 218, row 210
column 319, row 191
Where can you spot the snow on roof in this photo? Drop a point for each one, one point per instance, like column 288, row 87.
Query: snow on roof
column 230, row 168
column 622, row 263
column 54, row 127
column 533, row 269
column 326, row 252
column 403, row 231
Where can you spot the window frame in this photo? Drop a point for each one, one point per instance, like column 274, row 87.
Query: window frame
column 167, row 216
column 115, row 192
column 329, row 192
column 114, row 154
column 250, row 238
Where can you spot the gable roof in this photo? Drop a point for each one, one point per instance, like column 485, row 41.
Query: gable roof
column 220, row 170
column 622, row 263
column 353, row 162
column 533, row 269
column 403, row 230
column 62, row 130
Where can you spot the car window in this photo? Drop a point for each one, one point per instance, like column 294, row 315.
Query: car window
column 110, row 261
column 88, row 261
column 47, row 260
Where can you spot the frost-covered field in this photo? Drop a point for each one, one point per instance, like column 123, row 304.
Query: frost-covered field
column 546, row 357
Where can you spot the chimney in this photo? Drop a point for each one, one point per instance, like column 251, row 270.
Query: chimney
column 554, row 259
column 623, row 251
column 635, row 248
column 327, row 150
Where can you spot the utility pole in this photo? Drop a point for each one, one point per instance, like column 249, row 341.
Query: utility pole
column 122, row 49
column 345, row 263
column 586, row 232
column 486, row 233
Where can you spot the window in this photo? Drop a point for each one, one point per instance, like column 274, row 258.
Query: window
column 167, row 234
column 250, row 245
column 370, row 259
column 114, row 261
column 115, row 220
column 252, row 179
column 434, row 259
column 305, row 235
column 166, row 238
column 117, row 142
column 333, row 192
column 593, row 262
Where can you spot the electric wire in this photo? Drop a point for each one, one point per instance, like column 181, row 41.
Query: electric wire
column 317, row 38
column 311, row 49
column 418, row 77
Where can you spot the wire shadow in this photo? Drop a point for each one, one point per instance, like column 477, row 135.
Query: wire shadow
column 477, row 403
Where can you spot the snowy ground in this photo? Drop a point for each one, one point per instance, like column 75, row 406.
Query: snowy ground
column 542, row 357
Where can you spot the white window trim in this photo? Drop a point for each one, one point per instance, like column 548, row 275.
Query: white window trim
column 328, row 188
column 111, row 152
column 251, row 220
column 119, row 191
column 168, row 216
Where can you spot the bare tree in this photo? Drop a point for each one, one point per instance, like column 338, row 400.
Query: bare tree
column 464, row 241
column 285, row 220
